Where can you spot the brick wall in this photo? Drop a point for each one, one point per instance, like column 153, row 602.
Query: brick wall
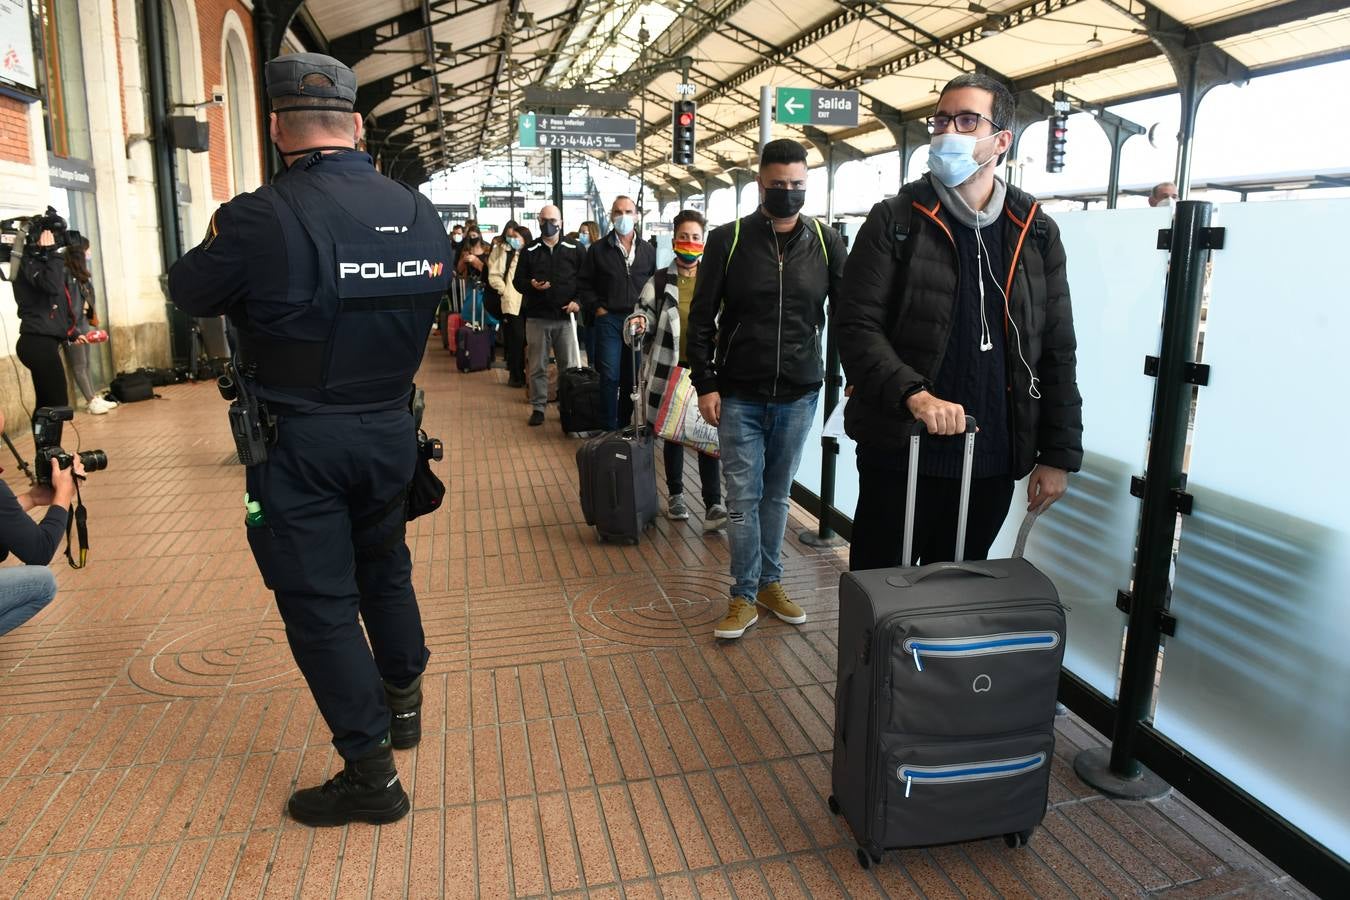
column 211, row 22
column 15, row 145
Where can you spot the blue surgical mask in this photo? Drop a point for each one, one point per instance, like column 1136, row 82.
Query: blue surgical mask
column 951, row 157
column 515, row 242
column 584, row 239
column 624, row 224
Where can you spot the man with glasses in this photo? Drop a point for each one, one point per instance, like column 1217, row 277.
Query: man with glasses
column 617, row 268
column 956, row 303
column 546, row 278
column 754, row 353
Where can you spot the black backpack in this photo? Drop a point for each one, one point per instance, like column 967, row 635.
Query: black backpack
column 131, row 387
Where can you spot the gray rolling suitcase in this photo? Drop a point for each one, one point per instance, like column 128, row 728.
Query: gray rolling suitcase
column 945, row 700
column 617, row 475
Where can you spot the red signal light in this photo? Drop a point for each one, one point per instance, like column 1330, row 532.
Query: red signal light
column 686, row 119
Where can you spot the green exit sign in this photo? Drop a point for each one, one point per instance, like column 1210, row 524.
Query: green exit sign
column 794, row 106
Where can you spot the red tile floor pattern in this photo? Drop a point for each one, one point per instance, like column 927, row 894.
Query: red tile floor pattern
column 584, row 733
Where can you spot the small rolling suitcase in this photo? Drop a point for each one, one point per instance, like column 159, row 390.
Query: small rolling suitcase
column 453, row 323
column 473, row 344
column 945, row 699
column 617, row 474
column 579, row 400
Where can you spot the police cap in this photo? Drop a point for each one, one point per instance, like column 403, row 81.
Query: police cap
column 286, row 76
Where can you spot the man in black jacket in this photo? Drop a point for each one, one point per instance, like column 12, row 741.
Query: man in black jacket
column 546, row 277
column 957, row 303
column 617, row 268
column 754, row 352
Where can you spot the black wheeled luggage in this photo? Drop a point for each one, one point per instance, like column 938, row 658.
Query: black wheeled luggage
column 474, row 343
column 945, row 700
column 617, row 479
column 579, row 399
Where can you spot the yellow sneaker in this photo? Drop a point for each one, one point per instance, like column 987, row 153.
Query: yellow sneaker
column 773, row 598
column 741, row 615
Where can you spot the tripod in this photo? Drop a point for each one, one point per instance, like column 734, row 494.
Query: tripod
column 23, row 465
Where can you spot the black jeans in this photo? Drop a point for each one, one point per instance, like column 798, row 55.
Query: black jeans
column 41, row 355
column 879, row 521
column 709, row 472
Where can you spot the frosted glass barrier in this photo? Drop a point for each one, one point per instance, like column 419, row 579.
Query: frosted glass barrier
column 846, row 469
column 1256, row 682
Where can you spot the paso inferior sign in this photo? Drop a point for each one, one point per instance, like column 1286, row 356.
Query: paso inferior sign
column 813, row 106
column 545, row 132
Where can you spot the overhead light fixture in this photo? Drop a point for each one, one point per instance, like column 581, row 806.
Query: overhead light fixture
column 992, row 26
column 526, row 21
column 1094, row 41
column 935, row 92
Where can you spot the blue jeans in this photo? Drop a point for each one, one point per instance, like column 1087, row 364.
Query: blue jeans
column 761, row 448
column 614, row 361
column 24, row 591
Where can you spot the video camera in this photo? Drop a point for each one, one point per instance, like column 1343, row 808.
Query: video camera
column 22, row 232
column 47, row 439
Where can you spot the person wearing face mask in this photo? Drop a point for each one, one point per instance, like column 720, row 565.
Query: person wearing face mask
column 661, row 320
column 588, row 235
column 330, row 276
column 547, row 278
column 755, row 359
column 957, row 303
column 1163, row 194
column 501, row 275
column 616, row 269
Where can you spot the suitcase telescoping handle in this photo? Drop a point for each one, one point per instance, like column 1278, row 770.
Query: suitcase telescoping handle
column 639, row 407
column 576, row 342
column 917, row 430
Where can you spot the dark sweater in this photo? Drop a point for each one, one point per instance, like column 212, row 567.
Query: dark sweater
column 32, row 542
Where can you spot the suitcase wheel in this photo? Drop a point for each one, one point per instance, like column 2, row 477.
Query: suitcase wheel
column 833, row 804
column 1018, row 839
column 867, row 858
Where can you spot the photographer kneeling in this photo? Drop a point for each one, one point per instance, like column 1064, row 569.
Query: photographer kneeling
column 26, row 589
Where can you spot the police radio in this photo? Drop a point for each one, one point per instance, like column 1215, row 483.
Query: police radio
column 250, row 425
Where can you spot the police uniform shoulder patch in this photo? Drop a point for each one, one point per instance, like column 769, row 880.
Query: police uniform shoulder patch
column 211, row 232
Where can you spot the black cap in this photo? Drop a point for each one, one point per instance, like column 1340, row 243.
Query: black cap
column 285, row 77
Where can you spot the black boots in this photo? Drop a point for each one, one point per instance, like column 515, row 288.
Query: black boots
column 405, row 714
column 366, row 790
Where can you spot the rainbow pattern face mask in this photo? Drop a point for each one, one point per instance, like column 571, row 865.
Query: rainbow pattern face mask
column 688, row 252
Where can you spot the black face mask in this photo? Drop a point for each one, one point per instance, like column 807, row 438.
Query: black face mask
column 473, row 239
column 784, row 203
column 549, row 229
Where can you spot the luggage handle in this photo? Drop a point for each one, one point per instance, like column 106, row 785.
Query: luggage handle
column 928, row 571
column 639, row 405
column 576, row 342
column 916, row 431
column 1019, row 549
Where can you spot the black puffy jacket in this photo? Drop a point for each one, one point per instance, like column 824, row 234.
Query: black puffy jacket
column 755, row 321
column 40, row 292
column 896, row 317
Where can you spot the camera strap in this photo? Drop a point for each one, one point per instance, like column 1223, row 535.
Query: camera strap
column 79, row 518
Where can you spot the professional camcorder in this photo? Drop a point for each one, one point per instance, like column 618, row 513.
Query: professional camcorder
column 47, row 439
column 21, row 233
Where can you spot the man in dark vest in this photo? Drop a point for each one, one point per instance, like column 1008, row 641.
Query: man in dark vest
column 331, row 276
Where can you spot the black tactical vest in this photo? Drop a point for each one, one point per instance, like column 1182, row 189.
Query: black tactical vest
column 358, row 338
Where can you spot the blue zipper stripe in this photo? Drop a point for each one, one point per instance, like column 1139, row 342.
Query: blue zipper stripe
column 982, row 645
column 981, row 770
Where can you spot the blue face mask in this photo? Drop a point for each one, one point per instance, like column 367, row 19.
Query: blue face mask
column 584, row 239
column 951, row 157
column 515, row 242
column 624, row 224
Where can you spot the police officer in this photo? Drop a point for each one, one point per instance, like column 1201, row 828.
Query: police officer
column 331, row 276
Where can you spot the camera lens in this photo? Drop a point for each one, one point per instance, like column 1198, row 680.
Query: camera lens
column 94, row 460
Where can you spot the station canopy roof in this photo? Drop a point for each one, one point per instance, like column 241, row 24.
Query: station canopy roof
column 443, row 81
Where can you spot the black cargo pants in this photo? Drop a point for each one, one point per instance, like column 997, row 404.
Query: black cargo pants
column 332, row 550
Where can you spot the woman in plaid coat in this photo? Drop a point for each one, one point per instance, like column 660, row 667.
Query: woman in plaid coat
column 661, row 319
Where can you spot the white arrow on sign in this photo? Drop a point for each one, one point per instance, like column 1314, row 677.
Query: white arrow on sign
column 792, row 106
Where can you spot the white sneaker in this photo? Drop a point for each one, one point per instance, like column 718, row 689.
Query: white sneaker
column 98, row 406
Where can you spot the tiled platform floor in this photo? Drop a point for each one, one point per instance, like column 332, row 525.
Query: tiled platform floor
column 584, row 731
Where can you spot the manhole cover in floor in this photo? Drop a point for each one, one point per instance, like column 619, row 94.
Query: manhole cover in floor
column 213, row 657
column 651, row 612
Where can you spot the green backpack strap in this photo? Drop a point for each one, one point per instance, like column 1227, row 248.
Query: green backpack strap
column 736, row 239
